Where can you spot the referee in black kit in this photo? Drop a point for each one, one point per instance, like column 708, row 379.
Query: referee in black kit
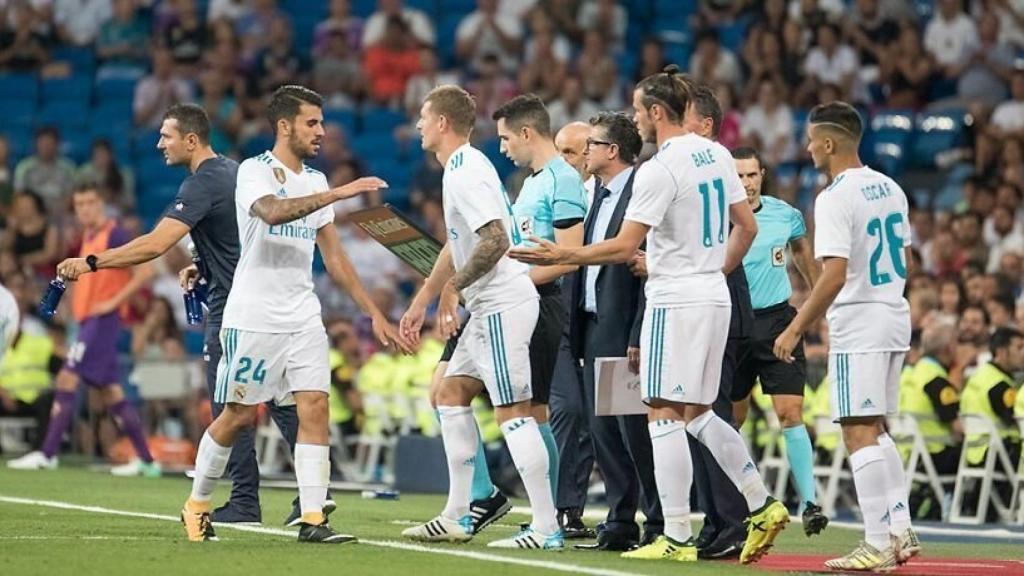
column 205, row 209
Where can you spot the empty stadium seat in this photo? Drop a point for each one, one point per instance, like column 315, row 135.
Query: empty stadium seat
column 115, row 89
column 936, row 132
column 343, row 117
column 19, row 87
column 76, row 88
column 65, row 115
column 81, row 59
column 18, row 113
column 76, row 145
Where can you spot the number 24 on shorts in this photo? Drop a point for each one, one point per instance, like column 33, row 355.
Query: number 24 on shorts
column 245, row 364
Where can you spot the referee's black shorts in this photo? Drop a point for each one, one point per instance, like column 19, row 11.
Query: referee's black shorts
column 543, row 345
column 757, row 358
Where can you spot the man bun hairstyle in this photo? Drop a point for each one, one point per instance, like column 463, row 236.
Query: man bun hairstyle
column 670, row 89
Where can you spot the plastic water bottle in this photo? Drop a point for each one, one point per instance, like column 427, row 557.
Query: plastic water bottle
column 381, row 494
column 51, row 298
column 195, row 297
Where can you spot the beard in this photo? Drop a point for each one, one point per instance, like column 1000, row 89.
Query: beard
column 301, row 150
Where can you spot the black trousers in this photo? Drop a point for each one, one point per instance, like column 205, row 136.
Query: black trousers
column 39, row 410
column 571, row 427
column 242, row 467
column 723, row 506
column 622, row 446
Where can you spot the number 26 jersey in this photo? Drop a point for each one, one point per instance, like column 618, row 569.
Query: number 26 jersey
column 863, row 217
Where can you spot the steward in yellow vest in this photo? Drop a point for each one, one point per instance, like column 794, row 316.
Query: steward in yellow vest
column 992, row 392
column 26, row 375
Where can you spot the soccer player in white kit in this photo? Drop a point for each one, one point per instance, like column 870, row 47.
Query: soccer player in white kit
column 683, row 201
column 493, row 350
column 862, row 236
column 275, row 345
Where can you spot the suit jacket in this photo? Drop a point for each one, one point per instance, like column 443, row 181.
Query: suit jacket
column 619, row 295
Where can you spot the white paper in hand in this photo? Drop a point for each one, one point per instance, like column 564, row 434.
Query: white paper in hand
column 617, row 389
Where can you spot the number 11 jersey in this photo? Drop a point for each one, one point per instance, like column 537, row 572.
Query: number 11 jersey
column 683, row 193
column 862, row 217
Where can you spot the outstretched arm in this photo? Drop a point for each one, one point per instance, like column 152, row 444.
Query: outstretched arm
column 828, row 286
column 344, row 275
column 142, row 249
column 612, row 251
column 274, row 210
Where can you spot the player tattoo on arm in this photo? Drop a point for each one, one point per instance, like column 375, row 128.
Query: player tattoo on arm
column 273, row 210
column 493, row 245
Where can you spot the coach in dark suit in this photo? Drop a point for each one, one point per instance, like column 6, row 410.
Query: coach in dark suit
column 605, row 321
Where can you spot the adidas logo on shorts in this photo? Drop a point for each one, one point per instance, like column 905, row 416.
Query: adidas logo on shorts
column 867, row 404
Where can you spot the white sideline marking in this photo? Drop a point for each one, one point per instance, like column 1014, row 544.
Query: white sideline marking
column 482, row 556
column 115, row 538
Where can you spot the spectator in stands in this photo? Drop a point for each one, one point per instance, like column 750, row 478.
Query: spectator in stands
column 606, row 17
column 79, row 21
column 158, row 336
column 570, row 105
column 652, row 59
column 598, row 71
column 22, row 49
column 416, row 21
column 951, row 298
column 546, row 60
column 254, row 27
column 545, row 41
column 870, row 30
column 116, row 183
column 123, row 42
column 491, row 89
column 830, row 62
column 1002, row 310
column 1007, row 236
column 339, row 18
column 773, row 15
column 988, row 75
column 905, row 73
column 729, row 133
column 226, row 10
column 278, row 64
column 46, row 172
column 185, row 36
column 159, row 90
column 389, row 63
column 429, row 76
column 337, row 73
column 763, row 56
column 967, row 233
column 1008, row 117
column 31, row 236
column 711, row 63
column 768, row 126
column 223, row 109
column 951, row 38
column 487, row 31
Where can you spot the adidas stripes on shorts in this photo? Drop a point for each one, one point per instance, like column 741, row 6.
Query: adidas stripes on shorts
column 681, row 351
column 864, row 383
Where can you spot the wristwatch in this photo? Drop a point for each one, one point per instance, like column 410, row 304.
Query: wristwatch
column 91, row 261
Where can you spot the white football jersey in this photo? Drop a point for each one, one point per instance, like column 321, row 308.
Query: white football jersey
column 273, row 286
column 9, row 319
column 862, row 216
column 683, row 193
column 473, row 196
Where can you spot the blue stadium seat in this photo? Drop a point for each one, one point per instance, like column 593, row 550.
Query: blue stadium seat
column 381, row 120
column 363, row 8
column 111, row 116
column 888, row 158
column 342, row 117
column 115, row 89
column 144, row 142
column 19, row 87
column 935, row 132
column 733, row 35
column 674, row 8
column 76, row 145
column 460, row 7
column 65, row 115
column 431, row 7
column 17, row 112
column 153, row 200
column 889, row 128
column 257, row 145
column 19, row 140
column 375, row 146
column 82, row 60
column 396, row 173
column 445, row 32
column 397, row 197
column 77, row 87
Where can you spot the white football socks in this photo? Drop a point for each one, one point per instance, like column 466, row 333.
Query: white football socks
column 531, row 458
column 460, row 435
column 673, row 472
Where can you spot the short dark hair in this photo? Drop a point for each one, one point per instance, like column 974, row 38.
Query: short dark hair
column 1001, row 338
column 707, row 106
column 48, row 130
column 456, row 105
column 746, row 153
column 191, row 119
column 979, row 308
column 622, row 132
column 286, row 102
column 670, row 89
column 525, row 110
column 840, row 116
column 87, row 186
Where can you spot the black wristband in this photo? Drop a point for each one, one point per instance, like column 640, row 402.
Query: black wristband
column 91, row 261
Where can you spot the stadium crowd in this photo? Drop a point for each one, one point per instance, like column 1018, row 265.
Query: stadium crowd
column 84, row 84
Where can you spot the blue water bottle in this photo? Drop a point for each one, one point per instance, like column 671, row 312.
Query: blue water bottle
column 195, row 296
column 51, row 298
